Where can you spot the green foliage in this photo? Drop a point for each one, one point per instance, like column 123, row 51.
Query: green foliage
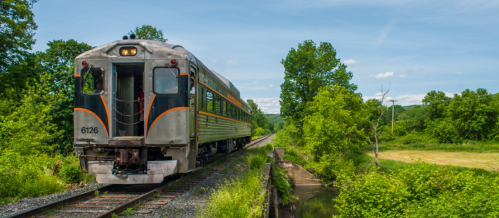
column 240, row 197
column 338, row 123
column 31, row 175
column 420, row 190
column 279, row 126
column 148, row 32
column 16, row 32
column 333, row 167
column 307, row 69
column 262, row 125
column 113, row 215
column 69, row 171
column 129, row 211
column 275, row 118
column 200, row 190
column 281, row 183
column 96, row 192
column 26, row 126
column 58, row 62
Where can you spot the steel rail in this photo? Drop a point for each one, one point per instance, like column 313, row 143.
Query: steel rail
column 73, row 199
column 150, row 194
column 60, row 203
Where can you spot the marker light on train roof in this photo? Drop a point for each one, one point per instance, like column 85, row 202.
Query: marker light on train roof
column 84, row 63
column 173, row 62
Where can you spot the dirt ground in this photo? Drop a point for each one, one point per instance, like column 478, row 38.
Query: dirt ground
column 487, row 161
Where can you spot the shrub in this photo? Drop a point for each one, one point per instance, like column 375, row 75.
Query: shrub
column 70, row 171
column 421, row 190
column 373, row 195
column 281, row 183
column 411, row 139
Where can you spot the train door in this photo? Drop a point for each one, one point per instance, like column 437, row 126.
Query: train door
column 192, row 116
column 128, row 100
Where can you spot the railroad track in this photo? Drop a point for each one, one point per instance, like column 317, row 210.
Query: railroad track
column 115, row 199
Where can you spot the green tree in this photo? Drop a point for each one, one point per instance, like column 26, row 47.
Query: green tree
column 148, row 32
column 474, row 114
column 339, row 122
column 307, row 69
column 279, row 126
column 58, row 62
column 436, row 102
column 16, row 31
column 26, row 127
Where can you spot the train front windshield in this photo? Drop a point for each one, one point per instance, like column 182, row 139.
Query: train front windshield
column 166, row 80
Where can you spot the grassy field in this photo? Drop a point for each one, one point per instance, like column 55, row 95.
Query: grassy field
column 487, row 161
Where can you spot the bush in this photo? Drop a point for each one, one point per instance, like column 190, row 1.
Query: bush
column 411, row 139
column 281, row 183
column 30, row 175
column 421, row 190
column 331, row 167
column 70, row 170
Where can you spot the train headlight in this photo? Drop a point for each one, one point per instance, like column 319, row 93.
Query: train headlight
column 133, row 51
column 128, row 51
column 124, row 52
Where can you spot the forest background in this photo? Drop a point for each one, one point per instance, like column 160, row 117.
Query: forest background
column 36, row 107
column 330, row 129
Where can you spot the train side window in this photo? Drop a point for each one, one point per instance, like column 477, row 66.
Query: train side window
column 209, row 101
column 201, row 99
column 93, row 81
column 234, row 112
column 224, row 108
column 165, row 80
column 229, row 110
column 217, row 105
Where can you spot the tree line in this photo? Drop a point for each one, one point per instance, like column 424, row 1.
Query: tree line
column 328, row 126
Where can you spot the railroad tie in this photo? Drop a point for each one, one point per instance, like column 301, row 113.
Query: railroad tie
column 84, row 211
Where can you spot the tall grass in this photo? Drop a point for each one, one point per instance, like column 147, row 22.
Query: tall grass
column 35, row 175
column 243, row 196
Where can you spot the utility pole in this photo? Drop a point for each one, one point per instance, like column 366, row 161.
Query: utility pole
column 393, row 112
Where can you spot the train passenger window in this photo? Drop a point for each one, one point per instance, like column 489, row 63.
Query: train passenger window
column 234, row 115
column 224, row 108
column 201, row 98
column 209, row 101
column 229, row 114
column 93, row 81
column 165, row 80
column 217, row 105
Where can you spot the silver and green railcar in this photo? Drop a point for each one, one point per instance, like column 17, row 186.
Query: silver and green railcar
column 138, row 117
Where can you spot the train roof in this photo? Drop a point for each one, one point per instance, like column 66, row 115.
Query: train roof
column 164, row 51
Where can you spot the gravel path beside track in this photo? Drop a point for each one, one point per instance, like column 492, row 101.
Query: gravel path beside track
column 33, row 202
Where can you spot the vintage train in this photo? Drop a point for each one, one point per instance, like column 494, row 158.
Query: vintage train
column 145, row 110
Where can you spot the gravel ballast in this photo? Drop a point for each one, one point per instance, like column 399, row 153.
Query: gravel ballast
column 34, row 202
column 185, row 204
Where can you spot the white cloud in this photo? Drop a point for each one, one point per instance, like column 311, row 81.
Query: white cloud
column 403, row 76
column 271, row 86
column 403, row 99
column 413, row 70
column 232, row 62
column 212, row 63
column 384, row 75
column 266, row 102
column 350, row 62
column 271, row 111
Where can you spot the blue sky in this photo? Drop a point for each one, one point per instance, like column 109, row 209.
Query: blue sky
column 410, row 47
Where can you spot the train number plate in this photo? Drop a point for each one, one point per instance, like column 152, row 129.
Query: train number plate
column 89, row 130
